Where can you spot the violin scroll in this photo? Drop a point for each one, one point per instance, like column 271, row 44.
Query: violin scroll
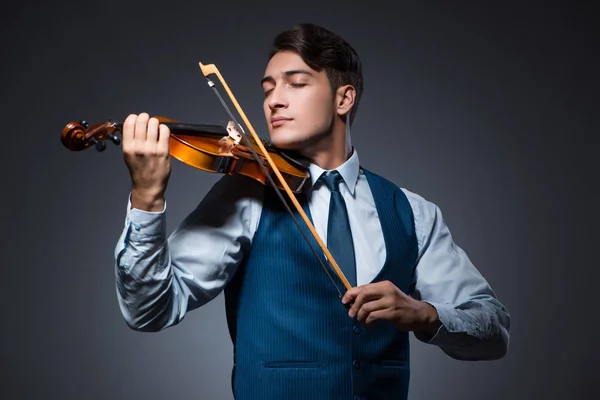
column 77, row 136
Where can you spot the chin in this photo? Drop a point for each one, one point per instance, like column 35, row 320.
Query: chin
column 286, row 140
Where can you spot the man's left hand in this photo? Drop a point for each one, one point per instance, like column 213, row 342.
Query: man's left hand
column 384, row 301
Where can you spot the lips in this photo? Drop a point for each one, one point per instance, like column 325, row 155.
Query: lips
column 278, row 121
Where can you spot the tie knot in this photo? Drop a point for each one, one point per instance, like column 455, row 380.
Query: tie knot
column 332, row 180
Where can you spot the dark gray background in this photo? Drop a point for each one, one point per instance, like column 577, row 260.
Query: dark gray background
column 488, row 111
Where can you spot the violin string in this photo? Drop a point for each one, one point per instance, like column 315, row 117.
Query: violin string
column 212, row 85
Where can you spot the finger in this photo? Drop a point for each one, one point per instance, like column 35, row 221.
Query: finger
column 351, row 294
column 367, row 293
column 380, row 289
column 356, row 303
column 378, row 315
column 385, row 286
column 370, row 307
column 163, row 140
column 128, row 130
column 141, row 126
column 152, row 133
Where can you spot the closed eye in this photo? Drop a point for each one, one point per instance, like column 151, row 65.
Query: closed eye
column 296, row 85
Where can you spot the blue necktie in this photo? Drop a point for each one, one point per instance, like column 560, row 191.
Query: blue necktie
column 339, row 235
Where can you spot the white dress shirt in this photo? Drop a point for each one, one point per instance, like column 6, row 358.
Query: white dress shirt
column 193, row 264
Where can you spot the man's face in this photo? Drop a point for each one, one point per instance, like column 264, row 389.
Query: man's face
column 299, row 103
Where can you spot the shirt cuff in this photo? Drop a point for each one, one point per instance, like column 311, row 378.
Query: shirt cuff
column 447, row 325
column 146, row 224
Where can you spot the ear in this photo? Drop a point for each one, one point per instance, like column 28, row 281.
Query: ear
column 345, row 96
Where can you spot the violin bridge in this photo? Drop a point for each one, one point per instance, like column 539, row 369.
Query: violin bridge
column 234, row 133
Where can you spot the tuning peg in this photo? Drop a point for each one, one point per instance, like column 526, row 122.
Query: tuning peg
column 115, row 139
column 100, row 145
column 84, row 124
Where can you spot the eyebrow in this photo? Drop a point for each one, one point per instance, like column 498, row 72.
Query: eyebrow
column 287, row 74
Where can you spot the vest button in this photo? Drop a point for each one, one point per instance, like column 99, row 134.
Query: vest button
column 356, row 364
column 356, row 329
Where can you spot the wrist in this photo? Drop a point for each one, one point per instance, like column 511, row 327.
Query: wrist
column 430, row 318
column 147, row 200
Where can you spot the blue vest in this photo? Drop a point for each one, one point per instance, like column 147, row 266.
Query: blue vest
column 292, row 336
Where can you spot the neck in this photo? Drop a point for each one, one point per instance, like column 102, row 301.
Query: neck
column 332, row 150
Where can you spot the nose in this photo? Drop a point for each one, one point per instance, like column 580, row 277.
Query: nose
column 277, row 99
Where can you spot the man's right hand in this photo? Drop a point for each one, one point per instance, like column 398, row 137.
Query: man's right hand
column 146, row 153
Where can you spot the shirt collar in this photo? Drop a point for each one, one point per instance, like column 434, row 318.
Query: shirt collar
column 348, row 170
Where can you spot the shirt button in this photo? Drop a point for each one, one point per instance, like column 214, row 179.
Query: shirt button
column 356, row 329
column 356, row 364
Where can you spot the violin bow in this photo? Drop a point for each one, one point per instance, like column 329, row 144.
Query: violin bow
column 208, row 69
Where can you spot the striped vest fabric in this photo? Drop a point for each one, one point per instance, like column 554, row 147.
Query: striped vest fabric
column 292, row 336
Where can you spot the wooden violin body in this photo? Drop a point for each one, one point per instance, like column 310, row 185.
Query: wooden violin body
column 211, row 148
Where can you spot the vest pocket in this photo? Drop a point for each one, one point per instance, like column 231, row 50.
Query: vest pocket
column 292, row 364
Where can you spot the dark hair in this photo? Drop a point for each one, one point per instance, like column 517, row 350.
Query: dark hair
column 322, row 49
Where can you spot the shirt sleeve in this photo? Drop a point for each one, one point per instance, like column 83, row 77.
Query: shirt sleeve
column 159, row 278
column 475, row 325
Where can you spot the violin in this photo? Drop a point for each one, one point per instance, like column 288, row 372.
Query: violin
column 219, row 149
column 211, row 148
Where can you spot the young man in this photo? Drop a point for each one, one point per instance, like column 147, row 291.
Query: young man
column 293, row 337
